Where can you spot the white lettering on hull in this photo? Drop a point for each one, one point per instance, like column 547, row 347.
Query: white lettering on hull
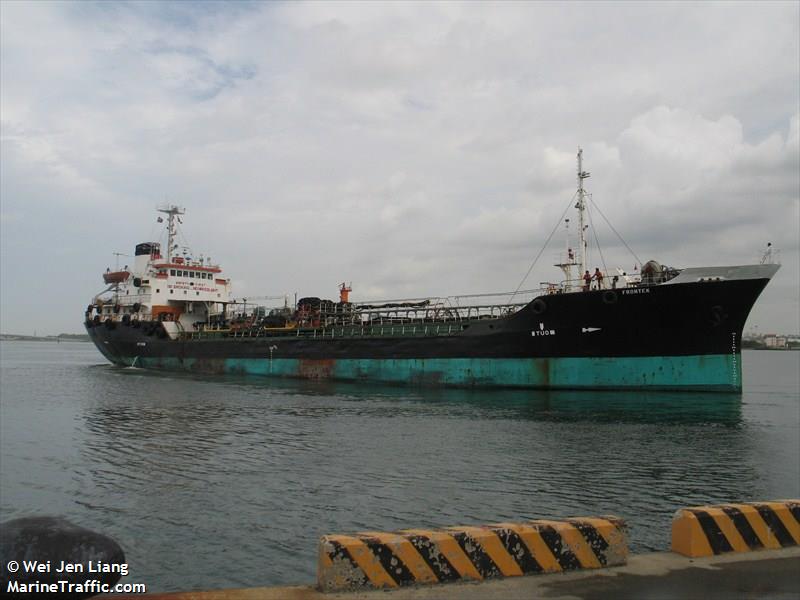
column 542, row 331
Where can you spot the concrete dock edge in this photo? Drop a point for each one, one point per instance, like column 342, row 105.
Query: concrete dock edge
column 656, row 576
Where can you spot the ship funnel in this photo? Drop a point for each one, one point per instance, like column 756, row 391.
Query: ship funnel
column 344, row 292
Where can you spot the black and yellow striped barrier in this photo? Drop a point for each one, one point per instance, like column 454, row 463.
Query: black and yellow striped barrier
column 710, row 530
column 416, row 556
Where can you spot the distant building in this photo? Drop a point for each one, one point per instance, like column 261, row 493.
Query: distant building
column 772, row 340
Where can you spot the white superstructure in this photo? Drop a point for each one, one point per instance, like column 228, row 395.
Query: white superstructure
column 167, row 286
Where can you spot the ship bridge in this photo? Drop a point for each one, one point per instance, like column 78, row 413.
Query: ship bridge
column 170, row 287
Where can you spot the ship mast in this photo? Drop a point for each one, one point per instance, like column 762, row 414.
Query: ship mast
column 581, row 206
column 172, row 212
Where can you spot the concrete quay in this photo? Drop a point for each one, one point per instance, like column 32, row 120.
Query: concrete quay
column 765, row 574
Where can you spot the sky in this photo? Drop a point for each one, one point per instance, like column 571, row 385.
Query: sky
column 414, row 149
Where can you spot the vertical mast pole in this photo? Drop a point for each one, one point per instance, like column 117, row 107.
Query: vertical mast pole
column 170, row 233
column 581, row 206
column 172, row 212
column 568, row 262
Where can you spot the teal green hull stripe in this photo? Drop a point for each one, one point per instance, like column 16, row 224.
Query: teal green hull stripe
column 719, row 371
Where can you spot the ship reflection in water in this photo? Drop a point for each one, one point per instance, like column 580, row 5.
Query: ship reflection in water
column 539, row 405
column 625, row 407
column 589, row 406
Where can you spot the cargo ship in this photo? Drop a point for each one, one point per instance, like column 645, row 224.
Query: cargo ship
column 657, row 328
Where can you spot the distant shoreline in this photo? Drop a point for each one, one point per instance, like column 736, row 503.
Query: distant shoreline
column 770, row 349
column 63, row 337
column 754, row 345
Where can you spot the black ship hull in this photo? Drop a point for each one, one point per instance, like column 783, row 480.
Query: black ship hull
column 684, row 334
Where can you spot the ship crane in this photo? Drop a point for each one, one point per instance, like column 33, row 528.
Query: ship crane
column 117, row 255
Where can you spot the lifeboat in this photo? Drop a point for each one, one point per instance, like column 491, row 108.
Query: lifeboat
column 115, row 276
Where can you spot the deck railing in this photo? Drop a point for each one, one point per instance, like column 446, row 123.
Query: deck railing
column 344, row 331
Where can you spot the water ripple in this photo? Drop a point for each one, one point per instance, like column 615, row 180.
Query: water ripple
column 228, row 482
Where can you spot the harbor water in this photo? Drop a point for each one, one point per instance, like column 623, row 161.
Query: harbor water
column 229, row 482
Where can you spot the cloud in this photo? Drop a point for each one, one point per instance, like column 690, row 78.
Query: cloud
column 413, row 148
